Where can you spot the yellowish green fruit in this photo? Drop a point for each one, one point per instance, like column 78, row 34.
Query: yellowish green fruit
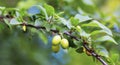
column 64, row 43
column 78, row 27
column 56, row 48
column 56, row 40
column 24, row 28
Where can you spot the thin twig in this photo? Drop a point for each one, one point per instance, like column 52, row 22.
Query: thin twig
column 85, row 44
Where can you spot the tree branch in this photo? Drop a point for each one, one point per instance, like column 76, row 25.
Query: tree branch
column 85, row 44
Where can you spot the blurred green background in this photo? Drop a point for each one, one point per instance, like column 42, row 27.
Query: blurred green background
column 20, row 48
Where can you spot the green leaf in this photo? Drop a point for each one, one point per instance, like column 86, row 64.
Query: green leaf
column 107, row 30
column 79, row 29
column 7, row 22
column 43, row 36
column 82, row 32
column 102, row 51
column 47, row 26
column 92, row 24
column 2, row 8
column 38, row 22
column 97, row 32
column 77, row 43
column 115, row 57
column 111, row 61
column 79, row 50
column 49, row 9
column 43, row 10
column 95, row 23
column 106, row 38
column 14, row 22
column 65, row 22
column 82, row 18
column 71, row 43
column 74, row 21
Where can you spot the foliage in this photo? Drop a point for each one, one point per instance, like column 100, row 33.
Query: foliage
column 29, row 31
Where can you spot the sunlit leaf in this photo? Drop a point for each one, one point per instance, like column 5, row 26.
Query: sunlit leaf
column 95, row 23
column 74, row 21
column 66, row 22
column 106, row 38
column 82, row 32
column 2, row 8
column 43, row 10
column 79, row 29
column 107, row 30
column 17, row 14
column 97, row 32
column 90, row 24
column 49, row 9
column 82, row 18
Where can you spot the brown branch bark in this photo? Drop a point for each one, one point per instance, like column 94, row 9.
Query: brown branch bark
column 85, row 44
